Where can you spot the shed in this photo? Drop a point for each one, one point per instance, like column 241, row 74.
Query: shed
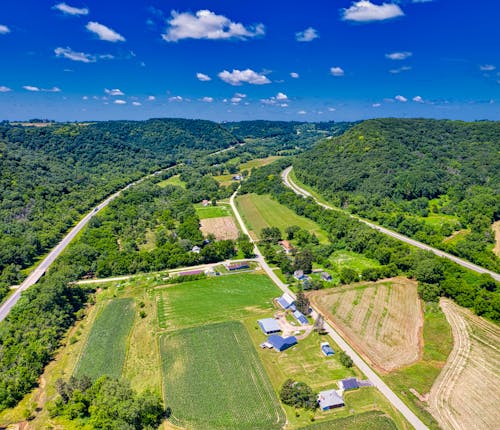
column 280, row 344
column 237, row 266
column 329, row 399
column 299, row 275
column 327, row 349
column 286, row 245
column 299, row 316
column 269, row 325
column 325, row 276
column 196, row 249
column 285, row 301
column 349, row 384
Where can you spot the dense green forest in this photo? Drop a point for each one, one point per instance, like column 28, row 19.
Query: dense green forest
column 436, row 181
column 51, row 175
column 436, row 276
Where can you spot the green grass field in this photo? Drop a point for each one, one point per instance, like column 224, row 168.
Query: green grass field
column 214, row 300
column 259, row 162
column 366, row 421
column 213, row 211
column 261, row 211
column 213, row 379
column 174, row 180
column 351, row 260
column 105, row 349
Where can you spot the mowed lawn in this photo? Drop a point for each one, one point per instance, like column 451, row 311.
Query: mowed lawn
column 105, row 349
column 215, row 299
column 260, row 211
column 205, row 212
column 213, row 379
column 366, row 421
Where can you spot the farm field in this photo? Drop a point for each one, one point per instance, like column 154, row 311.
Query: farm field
column 201, row 367
column 259, row 162
column 215, row 299
column 472, row 372
column 365, row 421
column 383, row 319
column 222, row 228
column 105, row 349
column 352, row 260
column 174, row 180
column 260, row 211
column 210, row 211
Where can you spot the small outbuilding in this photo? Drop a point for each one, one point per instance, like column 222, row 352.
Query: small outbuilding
column 286, row 245
column 281, row 343
column 325, row 276
column 196, row 249
column 237, row 266
column 326, row 349
column 329, row 399
column 285, row 301
column 348, row 384
column 299, row 275
column 269, row 325
column 299, row 316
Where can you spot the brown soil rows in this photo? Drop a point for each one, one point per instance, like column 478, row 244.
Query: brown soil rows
column 466, row 394
column 361, row 309
column 345, row 304
column 222, row 227
column 376, row 316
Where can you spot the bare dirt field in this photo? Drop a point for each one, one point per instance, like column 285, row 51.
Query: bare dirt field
column 222, row 228
column 496, row 230
column 466, row 394
column 382, row 319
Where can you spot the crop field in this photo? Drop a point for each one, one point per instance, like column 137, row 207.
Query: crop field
column 213, row 211
column 466, row 394
column 365, row 421
column 215, row 299
column 213, row 379
column 222, row 228
column 105, row 349
column 260, row 211
column 383, row 320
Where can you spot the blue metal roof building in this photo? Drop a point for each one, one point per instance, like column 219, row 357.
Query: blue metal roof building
column 299, row 316
column 286, row 301
column 269, row 325
column 349, row 384
column 327, row 349
column 280, row 344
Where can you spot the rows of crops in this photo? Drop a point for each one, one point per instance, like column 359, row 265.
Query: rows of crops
column 365, row 421
column 213, row 379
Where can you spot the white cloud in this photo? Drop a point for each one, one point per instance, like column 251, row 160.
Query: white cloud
column 487, row 67
column 208, row 25
column 302, row 112
column 175, row 99
column 401, row 99
column 284, row 105
column 31, row 88
column 85, row 98
column 308, row 35
column 281, row 96
column 399, row 70
column 4, row 89
column 422, row 1
column 120, row 102
column 337, row 71
column 236, row 100
column 45, row 90
column 151, row 98
column 104, row 33
column 399, row 55
column 114, row 92
column 202, row 77
column 331, row 109
column 70, row 10
column 136, row 104
column 376, row 105
column 207, row 99
column 74, row 56
column 238, row 77
column 52, row 90
column 4, row 29
column 280, row 99
column 240, row 95
column 418, row 99
column 366, row 11
column 295, row 75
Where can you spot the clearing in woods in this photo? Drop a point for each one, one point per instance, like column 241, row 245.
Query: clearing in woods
column 104, row 352
column 261, row 211
column 222, row 228
column 466, row 394
column 383, row 320
column 213, row 379
column 496, row 230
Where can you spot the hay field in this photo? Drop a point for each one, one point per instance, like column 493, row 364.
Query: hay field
column 466, row 394
column 383, row 320
column 213, row 379
column 222, row 227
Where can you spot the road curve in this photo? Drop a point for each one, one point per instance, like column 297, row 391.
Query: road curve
column 464, row 263
column 358, row 361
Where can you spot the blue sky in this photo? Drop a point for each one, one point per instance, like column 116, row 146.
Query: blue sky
column 314, row 60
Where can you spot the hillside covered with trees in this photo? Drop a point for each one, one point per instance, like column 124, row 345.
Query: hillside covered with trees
column 436, row 181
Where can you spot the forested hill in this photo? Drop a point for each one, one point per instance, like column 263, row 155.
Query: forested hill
column 438, row 181
column 50, row 175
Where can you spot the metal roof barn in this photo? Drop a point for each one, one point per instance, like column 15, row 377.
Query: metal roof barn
column 269, row 325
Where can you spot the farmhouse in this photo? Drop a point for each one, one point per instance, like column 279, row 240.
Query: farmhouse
column 237, row 178
column 280, row 344
column 348, row 384
column 327, row 349
column 329, row 399
column 325, row 276
column 237, row 266
column 299, row 316
column 287, row 246
column 286, row 301
column 269, row 325
column 299, row 275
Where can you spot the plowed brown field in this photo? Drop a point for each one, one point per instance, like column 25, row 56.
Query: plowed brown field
column 466, row 394
column 383, row 320
column 222, row 228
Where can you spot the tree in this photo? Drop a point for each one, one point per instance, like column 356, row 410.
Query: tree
column 345, row 360
column 245, row 246
column 298, row 394
column 302, row 303
column 348, row 275
column 270, row 234
column 303, row 261
column 291, row 230
column 319, row 325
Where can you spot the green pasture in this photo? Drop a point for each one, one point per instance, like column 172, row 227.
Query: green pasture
column 174, row 180
column 213, row 211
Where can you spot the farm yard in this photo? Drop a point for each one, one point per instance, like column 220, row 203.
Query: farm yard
column 201, row 367
column 260, row 211
column 466, row 394
column 104, row 351
column 222, row 228
column 383, row 319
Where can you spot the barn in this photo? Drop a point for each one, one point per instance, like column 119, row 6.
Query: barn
column 327, row 349
column 348, row 384
column 329, row 399
column 285, row 301
column 280, row 344
column 269, row 325
column 299, row 316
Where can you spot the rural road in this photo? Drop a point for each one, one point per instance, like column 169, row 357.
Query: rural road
column 467, row 264
column 358, row 361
